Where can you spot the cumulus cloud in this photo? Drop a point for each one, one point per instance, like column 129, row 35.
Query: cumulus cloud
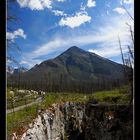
column 13, row 35
column 35, row 4
column 120, row 10
column 47, row 3
column 91, row 3
column 41, row 5
column 76, row 20
column 59, row 13
column 82, row 7
column 23, row 3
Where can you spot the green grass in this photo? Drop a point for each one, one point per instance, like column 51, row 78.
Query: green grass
column 62, row 97
column 21, row 101
column 15, row 121
column 114, row 96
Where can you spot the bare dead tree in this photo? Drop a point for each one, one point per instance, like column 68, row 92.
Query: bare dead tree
column 131, row 33
column 128, row 12
column 131, row 53
column 121, row 50
column 130, row 58
column 128, row 70
column 128, row 61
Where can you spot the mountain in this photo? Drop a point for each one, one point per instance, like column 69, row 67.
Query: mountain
column 20, row 70
column 73, row 65
column 14, row 71
column 9, row 70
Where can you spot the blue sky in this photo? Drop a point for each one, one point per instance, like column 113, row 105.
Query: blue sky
column 49, row 27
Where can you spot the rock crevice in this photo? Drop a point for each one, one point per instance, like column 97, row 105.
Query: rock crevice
column 76, row 121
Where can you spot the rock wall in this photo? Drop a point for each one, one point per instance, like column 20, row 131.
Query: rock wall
column 109, row 122
column 75, row 121
column 56, row 123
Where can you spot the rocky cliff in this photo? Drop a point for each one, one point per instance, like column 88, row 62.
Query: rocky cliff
column 75, row 121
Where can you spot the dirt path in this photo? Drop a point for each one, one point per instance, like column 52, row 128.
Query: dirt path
column 24, row 106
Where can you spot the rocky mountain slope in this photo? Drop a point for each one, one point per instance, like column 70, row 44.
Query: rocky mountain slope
column 73, row 65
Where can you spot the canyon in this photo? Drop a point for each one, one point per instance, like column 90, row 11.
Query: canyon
column 79, row 121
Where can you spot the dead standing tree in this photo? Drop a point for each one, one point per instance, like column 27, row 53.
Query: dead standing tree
column 129, row 60
column 131, row 55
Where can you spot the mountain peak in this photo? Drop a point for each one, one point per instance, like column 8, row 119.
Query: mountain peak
column 20, row 70
column 73, row 48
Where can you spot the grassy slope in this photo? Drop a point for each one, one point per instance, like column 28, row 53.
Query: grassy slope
column 18, row 120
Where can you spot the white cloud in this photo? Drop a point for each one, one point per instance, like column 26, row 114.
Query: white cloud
column 59, row 13
column 23, row 3
column 90, row 50
column 23, row 62
column 120, row 10
column 128, row 1
column 76, row 20
column 110, row 47
column 35, row 4
column 30, row 63
column 49, row 47
column 105, row 38
column 47, row 3
column 108, row 52
column 91, row 3
column 13, row 35
column 82, row 7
